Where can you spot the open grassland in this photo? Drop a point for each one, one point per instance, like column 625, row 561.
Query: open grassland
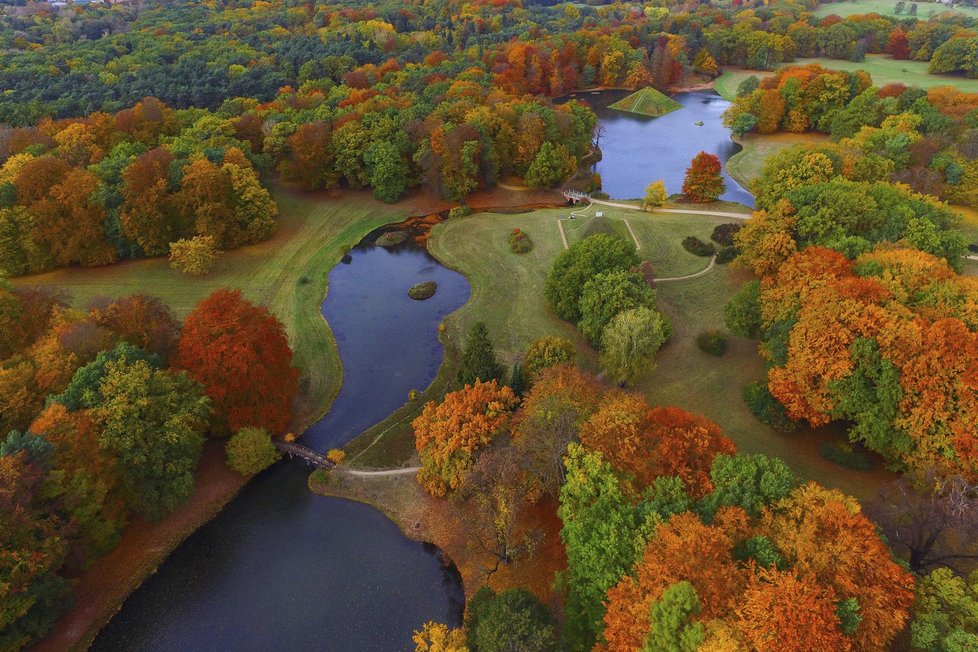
column 887, row 8
column 288, row 273
column 883, row 69
column 507, row 294
column 745, row 166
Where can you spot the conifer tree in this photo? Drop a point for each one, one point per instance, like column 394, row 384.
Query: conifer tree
column 479, row 358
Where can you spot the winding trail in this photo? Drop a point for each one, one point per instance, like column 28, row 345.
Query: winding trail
column 702, row 272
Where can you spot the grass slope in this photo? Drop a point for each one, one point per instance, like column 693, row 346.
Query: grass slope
column 287, row 273
column 886, row 8
column 883, row 69
column 648, row 102
column 507, row 294
column 746, row 165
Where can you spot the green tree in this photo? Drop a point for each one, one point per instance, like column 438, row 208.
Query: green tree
column 151, row 422
column 388, row 170
column 599, row 534
column 552, row 164
column 747, row 481
column 655, row 195
column 579, row 264
column 85, row 391
column 513, row 620
column 251, row 450
column 479, row 358
column 629, row 343
column 608, row 294
column 946, row 613
column 742, row 313
column 517, row 381
column 670, row 627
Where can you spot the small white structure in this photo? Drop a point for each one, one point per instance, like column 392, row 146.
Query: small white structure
column 599, row 214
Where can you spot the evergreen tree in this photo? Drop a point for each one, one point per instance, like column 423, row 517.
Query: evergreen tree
column 517, row 381
column 479, row 358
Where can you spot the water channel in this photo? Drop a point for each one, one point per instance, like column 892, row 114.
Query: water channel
column 280, row 568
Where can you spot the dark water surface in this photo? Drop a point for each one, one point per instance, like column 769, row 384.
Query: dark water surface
column 283, row 569
column 638, row 150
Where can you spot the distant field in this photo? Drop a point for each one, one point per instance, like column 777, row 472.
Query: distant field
column 882, row 68
column 507, row 293
column 885, row 8
column 288, row 274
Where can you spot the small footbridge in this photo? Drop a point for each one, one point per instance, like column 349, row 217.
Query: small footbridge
column 574, row 196
column 308, row 455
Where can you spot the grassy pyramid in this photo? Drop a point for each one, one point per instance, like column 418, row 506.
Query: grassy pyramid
column 648, row 102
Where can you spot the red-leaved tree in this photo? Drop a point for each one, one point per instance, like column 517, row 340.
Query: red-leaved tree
column 703, row 182
column 238, row 351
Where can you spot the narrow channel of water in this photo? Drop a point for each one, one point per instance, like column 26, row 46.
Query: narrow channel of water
column 638, row 150
column 283, row 569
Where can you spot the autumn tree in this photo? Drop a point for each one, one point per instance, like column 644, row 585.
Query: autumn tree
column 547, row 351
column 436, row 637
column 447, row 435
column 194, row 256
column 142, row 320
column 479, row 358
column 670, row 625
column 239, row 352
column 704, row 182
column 655, row 195
column 149, row 215
column 945, row 612
column 69, row 221
column 651, row 442
column 561, row 400
column 151, row 422
column 580, row 263
column 630, row 341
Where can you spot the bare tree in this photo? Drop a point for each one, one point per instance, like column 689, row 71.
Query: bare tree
column 933, row 520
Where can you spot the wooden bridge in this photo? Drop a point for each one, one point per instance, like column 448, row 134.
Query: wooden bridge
column 298, row 450
column 575, row 196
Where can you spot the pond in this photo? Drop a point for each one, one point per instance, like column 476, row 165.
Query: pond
column 281, row 564
column 638, row 150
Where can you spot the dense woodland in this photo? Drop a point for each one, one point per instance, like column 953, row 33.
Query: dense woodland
column 133, row 127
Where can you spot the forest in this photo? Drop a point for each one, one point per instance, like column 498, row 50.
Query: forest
column 142, row 130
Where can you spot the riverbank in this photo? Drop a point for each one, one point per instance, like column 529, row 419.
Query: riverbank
column 445, row 523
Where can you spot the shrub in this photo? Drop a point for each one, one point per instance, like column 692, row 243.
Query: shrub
column 251, row 450
column 766, row 408
column 336, row 456
column 712, row 342
column 742, row 313
column 194, row 257
column 646, row 270
column 723, row 234
column 459, row 211
column 727, row 254
column 519, row 241
column 697, row 247
column 845, row 455
column 547, row 351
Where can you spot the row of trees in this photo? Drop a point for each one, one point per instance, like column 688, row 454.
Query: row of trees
column 104, row 413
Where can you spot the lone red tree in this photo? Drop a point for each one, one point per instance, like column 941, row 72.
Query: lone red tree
column 238, row 351
column 703, row 182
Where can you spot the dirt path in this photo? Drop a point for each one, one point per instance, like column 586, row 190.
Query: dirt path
column 688, row 211
column 713, row 261
column 379, row 473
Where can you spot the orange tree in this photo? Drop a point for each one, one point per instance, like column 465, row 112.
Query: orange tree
column 448, row 434
column 703, row 182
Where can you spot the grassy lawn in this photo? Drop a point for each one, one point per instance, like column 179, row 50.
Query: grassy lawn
column 507, row 293
column 881, row 67
column 886, row 8
column 287, row 273
column 746, row 165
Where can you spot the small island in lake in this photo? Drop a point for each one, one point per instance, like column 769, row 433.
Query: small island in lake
column 422, row 291
column 647, row 102
column 391, row 238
